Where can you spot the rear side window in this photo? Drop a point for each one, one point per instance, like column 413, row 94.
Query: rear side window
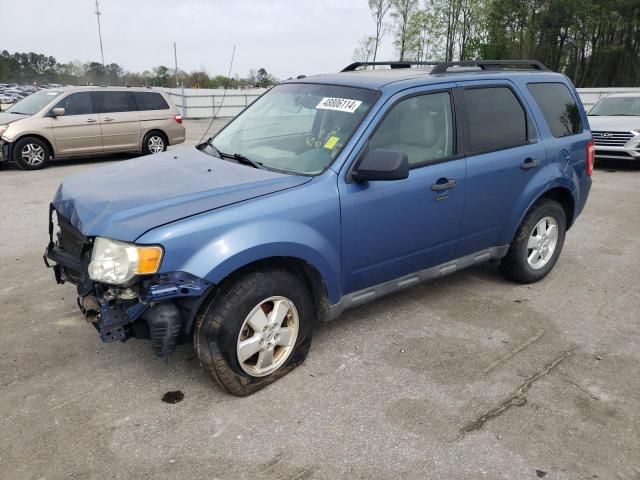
column 112, row 102
column 150, row 101
column 495, row 118
column 558, row 107
column 76, row 104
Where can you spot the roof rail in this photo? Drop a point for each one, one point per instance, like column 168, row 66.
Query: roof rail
column 442, row 67
column 356, row 65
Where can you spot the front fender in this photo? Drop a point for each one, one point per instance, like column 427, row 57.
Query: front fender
column 250, row 242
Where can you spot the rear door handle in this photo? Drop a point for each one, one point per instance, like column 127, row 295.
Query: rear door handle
column 529, row 163
column 91, row 120
column 443, row 184
column 108, row 119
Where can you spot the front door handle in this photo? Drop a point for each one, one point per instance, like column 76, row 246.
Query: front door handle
column 443, row 184
column 91, row 120
column 529, row 163
column 108, row 119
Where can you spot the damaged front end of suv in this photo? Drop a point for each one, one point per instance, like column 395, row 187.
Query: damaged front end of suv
column 120, row 291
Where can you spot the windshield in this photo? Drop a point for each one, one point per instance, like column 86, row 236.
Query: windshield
column 34, row 102
column 617, row 106
column 298, row 128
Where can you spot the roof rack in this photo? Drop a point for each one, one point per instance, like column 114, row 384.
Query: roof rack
column 356, row 65
column 442, row 67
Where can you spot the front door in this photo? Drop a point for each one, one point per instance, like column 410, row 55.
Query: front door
column 119, row 120
column 77, row 132
column 393, row 228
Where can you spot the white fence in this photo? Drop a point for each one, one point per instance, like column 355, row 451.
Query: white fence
column 205, row 103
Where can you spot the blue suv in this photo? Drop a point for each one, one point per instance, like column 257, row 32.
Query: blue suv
column 327, row 192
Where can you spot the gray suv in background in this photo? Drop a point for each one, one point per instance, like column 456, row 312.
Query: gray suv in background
column 87, row 121
column 615, row 125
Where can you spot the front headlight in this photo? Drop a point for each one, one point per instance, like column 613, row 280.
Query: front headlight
column 117, row 262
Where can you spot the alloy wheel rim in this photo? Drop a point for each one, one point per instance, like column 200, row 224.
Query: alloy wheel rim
column 267, row 336
column 156, row 144
column 542, row 243
column 32, row 154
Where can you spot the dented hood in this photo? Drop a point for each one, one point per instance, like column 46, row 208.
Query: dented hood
column 124, row 200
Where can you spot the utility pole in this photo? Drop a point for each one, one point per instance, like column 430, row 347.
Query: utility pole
column 97, row 12
column 175, row 58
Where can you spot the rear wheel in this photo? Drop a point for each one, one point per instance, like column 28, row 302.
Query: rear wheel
column 154, row 142
column 31, row 153
column 537, row 244
column 255, row 330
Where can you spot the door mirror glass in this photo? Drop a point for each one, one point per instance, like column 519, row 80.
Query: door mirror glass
column 58, row 112
column 380, row 164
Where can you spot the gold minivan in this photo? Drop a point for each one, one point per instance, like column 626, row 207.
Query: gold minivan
column 86, row 121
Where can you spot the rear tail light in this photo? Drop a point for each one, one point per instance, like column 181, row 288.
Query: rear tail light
column 178, row 118
column 591, row 157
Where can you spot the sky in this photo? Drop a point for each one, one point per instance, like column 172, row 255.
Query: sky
column 286, row 37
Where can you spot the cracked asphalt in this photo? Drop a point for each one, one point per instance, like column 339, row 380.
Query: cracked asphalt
column 464, row 378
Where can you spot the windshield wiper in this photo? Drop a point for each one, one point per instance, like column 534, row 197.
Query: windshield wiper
column 243, row 159
column 208, row 143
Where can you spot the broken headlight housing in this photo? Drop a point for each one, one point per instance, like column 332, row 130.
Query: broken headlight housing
column 116, row 262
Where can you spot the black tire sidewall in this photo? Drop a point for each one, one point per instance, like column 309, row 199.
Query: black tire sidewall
column 147, row 137
column 220, row 325
column 17, row 149
column 546, row 208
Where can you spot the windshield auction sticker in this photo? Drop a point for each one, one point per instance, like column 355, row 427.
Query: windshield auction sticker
column 339, row 104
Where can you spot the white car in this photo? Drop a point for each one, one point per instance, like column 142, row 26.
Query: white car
column 615, row 125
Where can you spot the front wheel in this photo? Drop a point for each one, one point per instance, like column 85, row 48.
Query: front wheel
column 255, row 330
column 31, row 153
column 537, row 244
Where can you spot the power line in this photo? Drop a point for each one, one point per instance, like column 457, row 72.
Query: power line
column 97, row 12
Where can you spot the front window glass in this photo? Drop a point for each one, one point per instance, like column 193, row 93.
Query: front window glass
column 34, row 102
column 299, row 128
column 421, row 127
column 617, row 106
column 76, row 104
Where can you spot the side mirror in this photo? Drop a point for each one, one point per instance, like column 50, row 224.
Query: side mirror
column 382, row 164
column 57, row 112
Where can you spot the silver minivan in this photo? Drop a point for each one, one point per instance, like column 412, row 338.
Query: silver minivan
column 87, row 121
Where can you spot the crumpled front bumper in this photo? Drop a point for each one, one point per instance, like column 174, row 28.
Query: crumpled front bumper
column 123, row 312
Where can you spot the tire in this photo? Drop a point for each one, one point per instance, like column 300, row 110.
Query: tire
column 154, row 142
column 31, row 153
column 230, row 317
column 522, row 263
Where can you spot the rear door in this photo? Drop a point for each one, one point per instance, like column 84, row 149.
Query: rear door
column 504, row 154
column 77, row 132
column 119, row 120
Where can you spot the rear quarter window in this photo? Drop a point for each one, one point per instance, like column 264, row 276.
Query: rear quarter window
column 150, row 101
column 559, row 108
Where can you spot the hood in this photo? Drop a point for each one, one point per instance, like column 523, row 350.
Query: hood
column 124, row 200
column 614, row 123
column 6, row 118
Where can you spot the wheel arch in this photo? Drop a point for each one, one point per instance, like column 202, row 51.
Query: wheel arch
column 304, row 270
column 561, row 194
column 39, row 137
column 155, row 130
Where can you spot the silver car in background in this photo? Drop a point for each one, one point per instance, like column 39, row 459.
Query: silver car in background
column 615, row 125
